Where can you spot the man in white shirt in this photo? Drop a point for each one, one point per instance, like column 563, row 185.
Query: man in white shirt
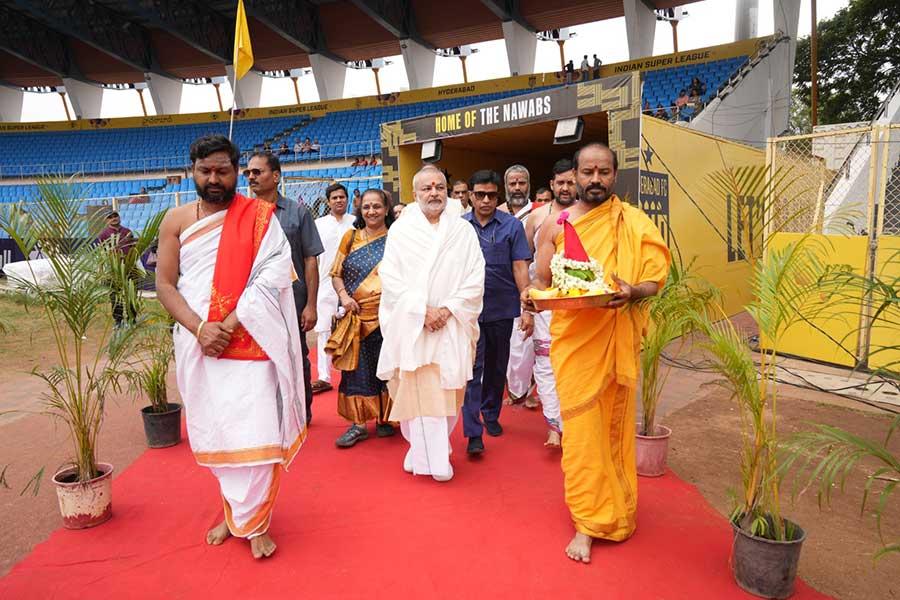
column 432, row 285
column 331, row 229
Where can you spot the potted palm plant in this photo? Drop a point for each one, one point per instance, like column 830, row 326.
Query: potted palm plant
column 670, row 311
column 766, row 546
column 147, row 372
column 76, row 306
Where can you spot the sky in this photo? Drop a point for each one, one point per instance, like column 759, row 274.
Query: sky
column 709, row 23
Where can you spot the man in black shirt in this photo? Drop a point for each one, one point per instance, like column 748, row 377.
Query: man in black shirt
column 263, row 172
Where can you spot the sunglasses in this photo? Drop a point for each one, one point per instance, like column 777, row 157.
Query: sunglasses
column 489, row 195
column 255, row 172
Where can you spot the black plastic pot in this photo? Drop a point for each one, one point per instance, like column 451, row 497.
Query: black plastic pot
column 162, row 429
column 766, row 568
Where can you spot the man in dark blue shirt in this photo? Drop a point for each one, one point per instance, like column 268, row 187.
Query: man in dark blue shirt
column 263, row 173
column 506, row 256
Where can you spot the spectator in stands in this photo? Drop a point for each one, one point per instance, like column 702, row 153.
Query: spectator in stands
column 122, row 240
column 460, row 191
column 695, row 100
column 543, row 196
column 682, row 99
column 316, row 146
column 263, row 173
column 597, row 64
column 585, row 68
column 267, row 146
column 363, row 162
column 570, row 72
column 698, row 86
column 141, row 197
column 332, row 228
column 355, row 162
column 373, row 161
column 306, row 147
column 297, row 149
column 661, row 113
column 362, row 396
column 647, row 110
column 283, row 149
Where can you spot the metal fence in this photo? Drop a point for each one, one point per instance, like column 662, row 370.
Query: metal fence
column 847, row 182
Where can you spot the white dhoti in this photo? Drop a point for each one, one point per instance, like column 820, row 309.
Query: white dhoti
column 330, row 232
column 246, row 419
column 426, row 371
column 521, row 362
column 543, row 371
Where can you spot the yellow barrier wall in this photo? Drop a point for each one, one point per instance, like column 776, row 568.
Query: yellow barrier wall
column 885, row 331
column 696, row 225
column 834, row 334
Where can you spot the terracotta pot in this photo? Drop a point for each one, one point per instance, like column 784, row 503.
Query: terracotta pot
column 766, row 568
column 87, row 504
column 162, row 429
column 651, row 451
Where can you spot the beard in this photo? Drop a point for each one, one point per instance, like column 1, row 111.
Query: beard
column 567, row 200
column 517, row 199
column 215, row 194
column 594, row 194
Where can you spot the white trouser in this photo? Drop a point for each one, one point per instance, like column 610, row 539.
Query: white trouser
column 521, row 362
column 543, row 371
column 249, row 493
column 323, row 362
column 429, row 446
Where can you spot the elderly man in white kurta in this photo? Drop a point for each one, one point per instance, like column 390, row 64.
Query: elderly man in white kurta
column 331, row 228
column 225, row 275
column 432, row 282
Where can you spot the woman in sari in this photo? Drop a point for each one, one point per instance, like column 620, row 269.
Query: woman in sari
column 356, row 341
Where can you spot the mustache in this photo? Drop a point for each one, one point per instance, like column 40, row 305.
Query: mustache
column 595, row 188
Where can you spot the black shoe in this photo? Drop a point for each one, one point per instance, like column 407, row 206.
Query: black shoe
column 356, row 433
column 384, row 430
column 476, row 446
column 493, row 428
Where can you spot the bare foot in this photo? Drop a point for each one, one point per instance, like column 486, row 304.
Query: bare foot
column 532, row 403
column 553, row 440
column 218, row 534
column 262, row 546
column 579, row 549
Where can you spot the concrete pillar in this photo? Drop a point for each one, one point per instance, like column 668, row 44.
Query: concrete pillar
column 248, row 92
column 165, row 93
column 746, row 19
column 86, row 98
column 640, row 28
column 787, row 16
column 419, row 62
column 11, row 102
column 521, row 46
column 329, row 75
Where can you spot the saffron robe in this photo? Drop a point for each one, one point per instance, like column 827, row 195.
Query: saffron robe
column 594, row 353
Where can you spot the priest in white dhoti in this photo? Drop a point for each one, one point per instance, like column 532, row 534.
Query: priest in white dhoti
column 225, row 274
column 432, row 282
column 331, row 228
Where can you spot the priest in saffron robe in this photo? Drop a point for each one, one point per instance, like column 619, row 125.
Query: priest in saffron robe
column 225, row 275
column 594, row 352
column 432, row 284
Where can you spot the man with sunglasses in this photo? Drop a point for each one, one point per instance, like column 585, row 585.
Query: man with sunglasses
column 506, row 256
column 263, row 173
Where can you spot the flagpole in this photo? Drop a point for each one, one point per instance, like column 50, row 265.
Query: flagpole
column 233, row 103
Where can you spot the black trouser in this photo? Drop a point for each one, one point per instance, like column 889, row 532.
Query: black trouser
column 484, row 393
column 307, row 375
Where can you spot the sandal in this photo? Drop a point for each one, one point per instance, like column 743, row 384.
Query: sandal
column 384, row 430
column 318, row 386
column 355, row 434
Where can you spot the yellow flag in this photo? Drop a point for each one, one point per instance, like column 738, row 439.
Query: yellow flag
column 243, row 52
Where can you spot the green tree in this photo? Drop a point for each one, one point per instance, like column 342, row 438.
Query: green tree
column 859, row 50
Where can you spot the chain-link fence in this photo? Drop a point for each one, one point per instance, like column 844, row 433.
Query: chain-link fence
column 311, row 191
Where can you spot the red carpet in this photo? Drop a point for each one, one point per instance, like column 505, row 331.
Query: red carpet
column 352, row 524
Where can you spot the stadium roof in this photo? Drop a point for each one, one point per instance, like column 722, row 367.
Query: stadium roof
column 112, row 42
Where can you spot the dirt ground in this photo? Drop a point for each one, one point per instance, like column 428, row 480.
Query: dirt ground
column 837, row 554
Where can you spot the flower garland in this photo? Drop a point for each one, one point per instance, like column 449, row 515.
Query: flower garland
column 564, row 281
